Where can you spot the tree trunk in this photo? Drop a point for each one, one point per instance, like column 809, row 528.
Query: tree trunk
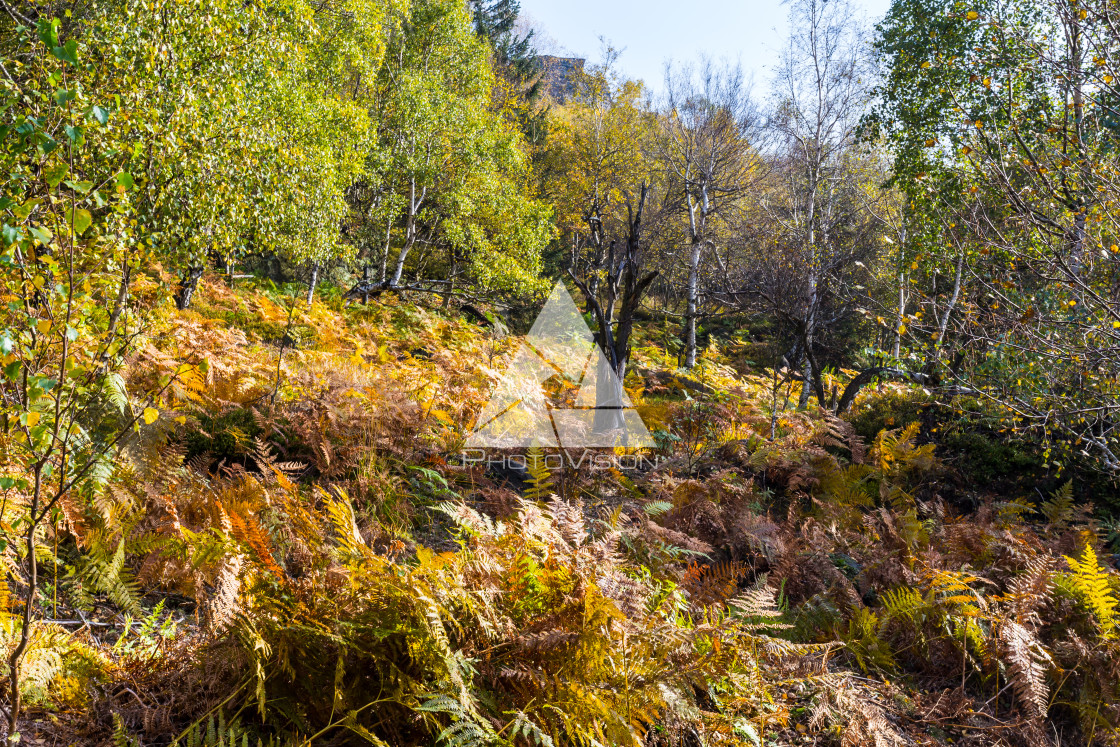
column 312, row 283
column 16, row 657
column 692, row 308
column 806, row 379
column 900, row 314
column 121, row 300
column 809, row 334
column 188, row 286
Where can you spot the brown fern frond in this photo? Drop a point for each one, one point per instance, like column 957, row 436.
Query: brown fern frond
column 1028, row 660
column 223, row 605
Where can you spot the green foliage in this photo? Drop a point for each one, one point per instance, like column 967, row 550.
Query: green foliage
column 887, row 411
column 223, row 436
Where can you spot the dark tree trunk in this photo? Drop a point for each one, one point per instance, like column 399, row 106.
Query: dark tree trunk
column 187, row 287
column 622, row 285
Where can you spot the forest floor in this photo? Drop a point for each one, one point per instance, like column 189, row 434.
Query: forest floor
column 310, row 564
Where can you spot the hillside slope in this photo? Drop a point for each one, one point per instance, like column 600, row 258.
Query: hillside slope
column 291, row 553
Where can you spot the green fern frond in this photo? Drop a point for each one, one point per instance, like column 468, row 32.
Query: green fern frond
column 1059, row 509
column 108, row 575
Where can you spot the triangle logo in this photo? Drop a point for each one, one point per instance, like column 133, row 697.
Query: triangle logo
column 560, row 346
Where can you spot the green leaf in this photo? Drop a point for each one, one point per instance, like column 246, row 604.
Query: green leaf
column 68, row 52
column 42, row 235
column 124, row 180
column 102, row 116
column 55, row 172
column 48, row 31
column 64, row 96
column 47, row 144
column 81, row 220
column 11, row 235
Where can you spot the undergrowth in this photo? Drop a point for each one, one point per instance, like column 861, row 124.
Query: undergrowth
column 290, row 557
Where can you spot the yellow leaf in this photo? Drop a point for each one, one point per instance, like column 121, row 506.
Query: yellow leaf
column 32, row 418
column 972, row 15
column 150, row 415
column 43, row 325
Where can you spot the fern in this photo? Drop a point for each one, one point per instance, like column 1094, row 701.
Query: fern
column 107, row 573
column 1028, row 661
column 759, row 608
column 465, row 730
column 1092, row 582
column 121, row 736
column 902, row 603
column 524, row 728
column 1058, row 510
column 540, row 481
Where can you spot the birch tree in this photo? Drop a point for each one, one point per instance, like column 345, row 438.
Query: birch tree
column 821, row 89
column 710, row 158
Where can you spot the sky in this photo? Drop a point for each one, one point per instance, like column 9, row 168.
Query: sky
column 749, row 32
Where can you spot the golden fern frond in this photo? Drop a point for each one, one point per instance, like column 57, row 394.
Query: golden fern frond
column 540, row 477
column 345, row 524
column 1091, row 580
